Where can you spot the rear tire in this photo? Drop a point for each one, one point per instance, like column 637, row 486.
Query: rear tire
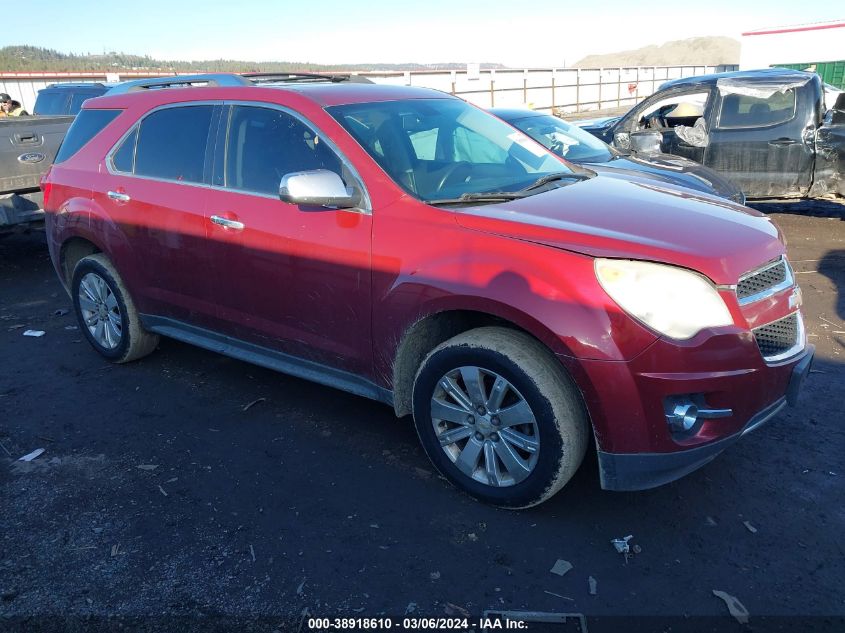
column 106, row 313
column 518, row 423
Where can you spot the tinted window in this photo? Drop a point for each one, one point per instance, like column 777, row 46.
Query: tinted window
column 746, row 111
column 78, row 98
column 124, row 158
column 265, row 144
column 50, row 102
column 172, row 142
column 86, row 126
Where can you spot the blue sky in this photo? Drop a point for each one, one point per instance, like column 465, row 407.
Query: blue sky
column 539, row 33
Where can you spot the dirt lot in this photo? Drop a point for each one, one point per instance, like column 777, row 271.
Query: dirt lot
column 162, row 504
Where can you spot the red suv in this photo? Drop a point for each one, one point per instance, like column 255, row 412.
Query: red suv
column 403, row 245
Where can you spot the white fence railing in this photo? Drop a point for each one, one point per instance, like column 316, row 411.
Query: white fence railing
column 566, row 90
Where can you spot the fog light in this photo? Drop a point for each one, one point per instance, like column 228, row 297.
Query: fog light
column 683, row 417
column 685, row 413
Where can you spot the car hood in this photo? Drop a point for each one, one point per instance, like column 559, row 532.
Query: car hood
column 612, row 217
column 665, row 168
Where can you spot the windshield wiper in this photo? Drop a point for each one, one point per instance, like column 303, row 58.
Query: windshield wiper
column 563, row 175
column 490, row 196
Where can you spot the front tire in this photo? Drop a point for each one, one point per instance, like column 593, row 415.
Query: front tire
column 499, row 417
column 106, row 313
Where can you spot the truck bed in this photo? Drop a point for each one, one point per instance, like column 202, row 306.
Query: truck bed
column 28, row 146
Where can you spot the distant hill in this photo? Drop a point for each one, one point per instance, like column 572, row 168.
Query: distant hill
column 697, row 51
column 33, row 58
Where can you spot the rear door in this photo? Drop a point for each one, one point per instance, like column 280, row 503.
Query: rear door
column 291, row 278
column 764, row 141
column 154, row 185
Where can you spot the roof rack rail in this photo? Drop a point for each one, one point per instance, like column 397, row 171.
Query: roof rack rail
column 260, row 78
column 77, row 84
column 180, row 81
column 284, row 77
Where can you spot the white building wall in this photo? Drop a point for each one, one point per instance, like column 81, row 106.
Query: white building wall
column 792, row 45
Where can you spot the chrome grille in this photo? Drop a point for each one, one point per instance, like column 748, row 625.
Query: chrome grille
column 780, row 339
column 764, row 281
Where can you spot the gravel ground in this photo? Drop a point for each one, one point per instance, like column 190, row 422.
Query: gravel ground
column 163, row 503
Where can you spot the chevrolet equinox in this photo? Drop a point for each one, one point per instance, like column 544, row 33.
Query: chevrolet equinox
column 401, row 244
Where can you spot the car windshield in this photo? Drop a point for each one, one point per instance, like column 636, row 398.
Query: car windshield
column 563, row 139
column 439, row 149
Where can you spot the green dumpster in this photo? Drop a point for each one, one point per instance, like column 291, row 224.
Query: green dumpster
column 830, row 72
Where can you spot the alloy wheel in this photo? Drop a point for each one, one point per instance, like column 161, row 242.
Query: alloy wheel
column 100, row 311
column 485, row 426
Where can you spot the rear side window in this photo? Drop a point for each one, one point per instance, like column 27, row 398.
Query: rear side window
column 172, row 143
column 425, row 143
column 124, row 158
column 51, row 102
column 78, row 98
column 472, row 147
column 739, row 110
column 86, row 126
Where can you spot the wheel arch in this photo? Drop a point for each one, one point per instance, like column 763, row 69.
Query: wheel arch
column 439, row 325
column 72, row 250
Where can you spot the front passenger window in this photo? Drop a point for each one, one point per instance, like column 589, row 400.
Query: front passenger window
column 264, row 144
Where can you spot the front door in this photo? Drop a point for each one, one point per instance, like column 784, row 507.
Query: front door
column 664, row 113
column 295, row 279
column 762, row 139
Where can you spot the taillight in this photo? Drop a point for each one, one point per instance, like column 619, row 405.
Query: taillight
column 46, row 186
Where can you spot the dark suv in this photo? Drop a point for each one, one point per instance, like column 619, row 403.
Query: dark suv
column 406, row 246
column 66, row 98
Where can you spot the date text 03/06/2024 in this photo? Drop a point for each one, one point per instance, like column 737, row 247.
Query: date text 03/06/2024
column 414, row 624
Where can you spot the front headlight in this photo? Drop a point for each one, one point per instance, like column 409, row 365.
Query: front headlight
column 674, row 301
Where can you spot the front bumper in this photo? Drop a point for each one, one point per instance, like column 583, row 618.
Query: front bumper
column 640, row 471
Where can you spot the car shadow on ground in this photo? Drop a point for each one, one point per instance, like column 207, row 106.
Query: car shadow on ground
column 833, row 208
column 832, row 266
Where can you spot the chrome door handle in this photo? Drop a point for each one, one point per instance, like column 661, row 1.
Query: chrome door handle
column 227, row 223
column 119, row 197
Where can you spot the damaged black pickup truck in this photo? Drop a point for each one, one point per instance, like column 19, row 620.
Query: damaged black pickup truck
column 769, row 131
